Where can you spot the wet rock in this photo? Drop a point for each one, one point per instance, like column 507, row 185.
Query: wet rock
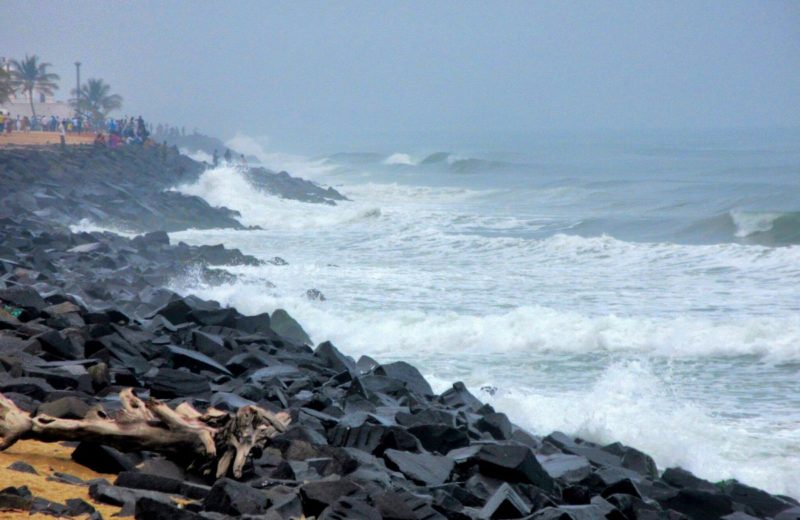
column 101, row 459
column 150, row 509
column 504, row 503
column 78, row 507
column 195, row 361
column 162, row 484
column 16, row 499
column 316, row 496
column 170, row 383
column 513, row 463
column 334, row 359
column 406, row 373
column 680, row 478
column 405, row 506
column 349, row 507
column 23, row 296
column 565, row 467
column 422, row 468
column 234, row 498
column 286, row 326
column 700, row 505
column 761, row 502
column 315, row 295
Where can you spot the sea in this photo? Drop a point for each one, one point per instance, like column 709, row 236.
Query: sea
column 641, row 287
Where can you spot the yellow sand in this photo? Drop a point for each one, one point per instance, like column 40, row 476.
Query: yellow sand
column 47, row 458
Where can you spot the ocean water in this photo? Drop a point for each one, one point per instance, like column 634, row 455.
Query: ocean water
column 633, row 288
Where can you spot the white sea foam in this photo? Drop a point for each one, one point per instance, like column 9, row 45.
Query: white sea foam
column 198, row 155
column 86, row 225
column 748, row 223
column 632, row 403
column 297, row 165
column 399, row 158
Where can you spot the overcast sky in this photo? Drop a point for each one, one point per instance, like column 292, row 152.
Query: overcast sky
column 315, row 68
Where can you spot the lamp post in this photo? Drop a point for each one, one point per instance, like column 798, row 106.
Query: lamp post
column 77, row 88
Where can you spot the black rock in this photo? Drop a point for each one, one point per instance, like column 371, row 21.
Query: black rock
column 459, row 397
column 700, row 505
column 334, row 359
column 16, row 498
column 439, row 438
column 316, row 496
column 403, row 505
column 150, row 509
column 258, row 324
column 64, row 408
column 286, row 326
column 234, row 498
column 761, row 502
column 137, row 480
column 406, row 373
column 680, row 478
column 102, row 459
column 78, row 507
column 60, row 347
column 170, row 383
column 422, row 468
column 350, row 508
column 195, row 361
column 22, row 467
column 46, row 507
column 504, row 503
column 66, row 478
column 23, row 296
column 565, row 467
column 495, row 424
column 513, row 463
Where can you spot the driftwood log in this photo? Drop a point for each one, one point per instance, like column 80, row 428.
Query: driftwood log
column 216, row 442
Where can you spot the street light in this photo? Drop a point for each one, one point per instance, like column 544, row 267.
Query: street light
column 77, row 88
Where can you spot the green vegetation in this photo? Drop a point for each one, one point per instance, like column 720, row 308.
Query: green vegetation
column 95, row 99
column 30, row 74
column 6, row 86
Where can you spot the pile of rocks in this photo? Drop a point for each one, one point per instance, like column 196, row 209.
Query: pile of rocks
column 367, row 440
column 99, row 268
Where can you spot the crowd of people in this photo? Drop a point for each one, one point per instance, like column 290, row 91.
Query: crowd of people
column 111, row 132
column 19, row 123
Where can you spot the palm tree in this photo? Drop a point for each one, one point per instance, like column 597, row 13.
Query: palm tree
column 6, row 86
column 96, row 99
column 30, row 74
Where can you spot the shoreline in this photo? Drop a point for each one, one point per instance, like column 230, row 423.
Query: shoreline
column 403, row 436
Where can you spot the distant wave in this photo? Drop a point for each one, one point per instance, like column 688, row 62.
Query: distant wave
column 446, row 161
column 783, row 226
column 749, row 227
column 399, row 159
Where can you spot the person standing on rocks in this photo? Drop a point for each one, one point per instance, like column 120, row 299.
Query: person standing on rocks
column 227, row 156
column 215, row 158
column 62, row 134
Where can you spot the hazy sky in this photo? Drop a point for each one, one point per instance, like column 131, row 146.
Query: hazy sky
column 300, row 68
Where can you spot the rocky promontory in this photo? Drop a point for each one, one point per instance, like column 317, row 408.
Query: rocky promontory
column 128, row 187
column 85, row 316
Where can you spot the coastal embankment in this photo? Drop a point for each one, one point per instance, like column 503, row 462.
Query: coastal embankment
column 86, row 315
